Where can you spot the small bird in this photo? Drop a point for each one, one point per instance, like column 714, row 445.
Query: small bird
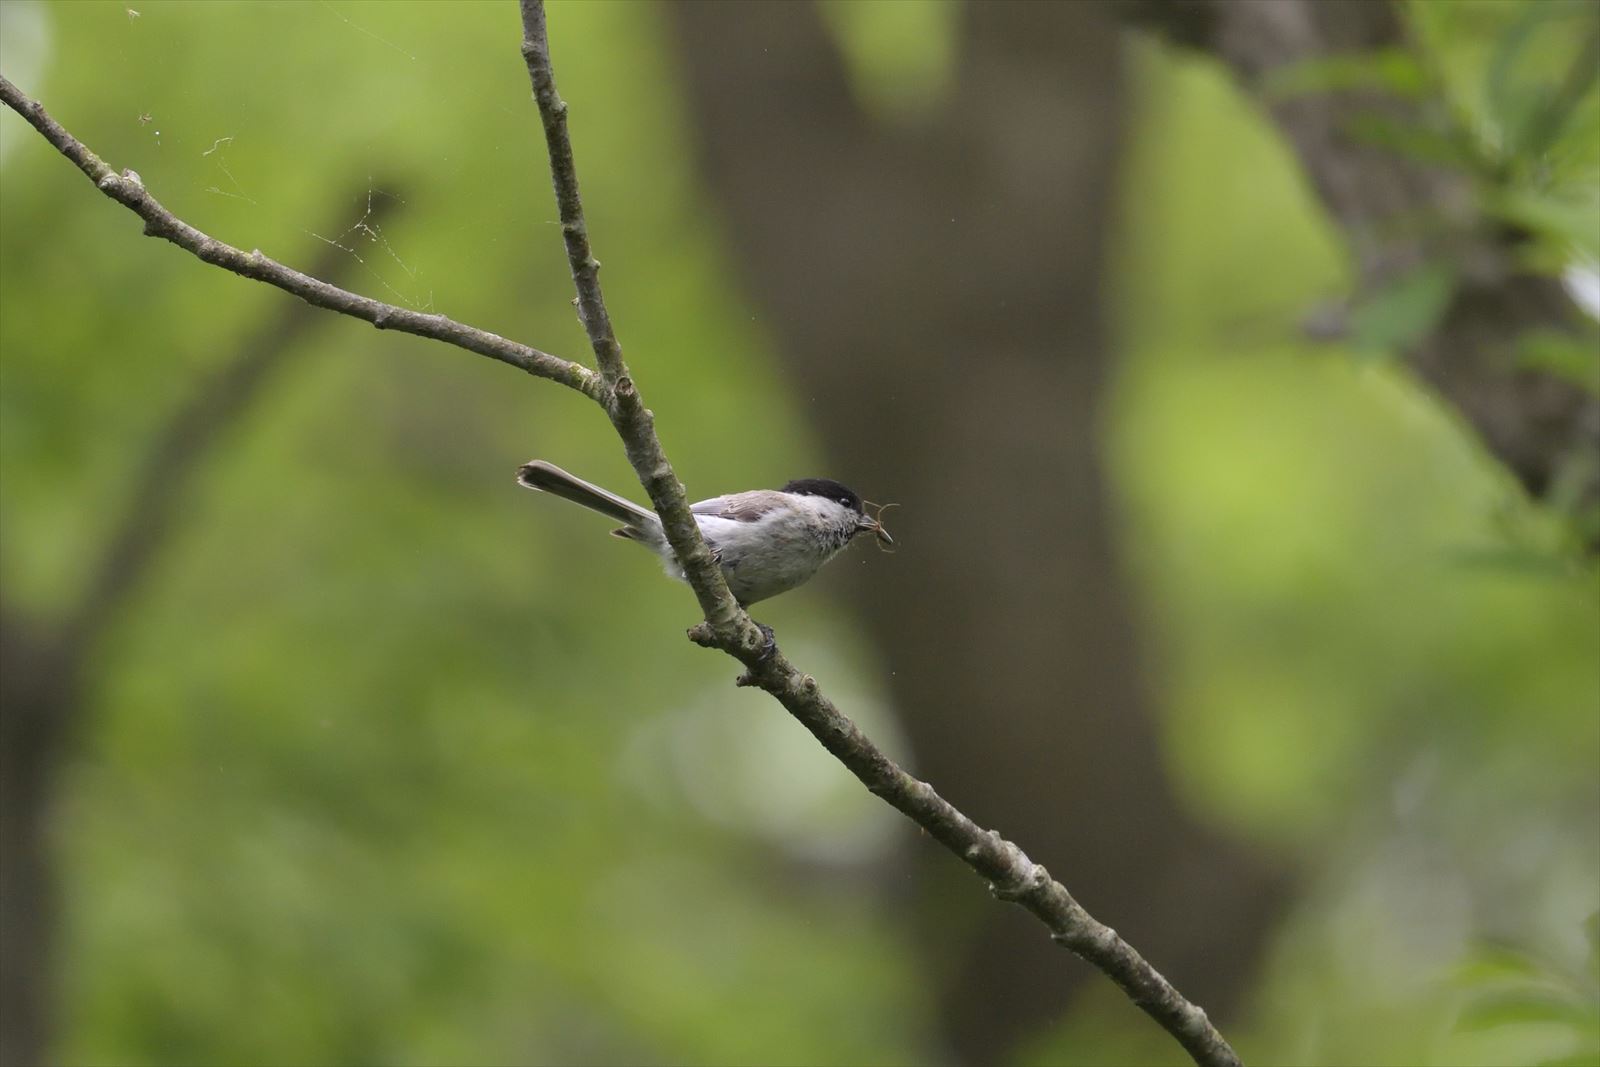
column 767, row 541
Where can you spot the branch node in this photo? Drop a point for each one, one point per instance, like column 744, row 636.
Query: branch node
column 703, row 635
column 1017, row 888
column 1039, row 879
column 759, row 638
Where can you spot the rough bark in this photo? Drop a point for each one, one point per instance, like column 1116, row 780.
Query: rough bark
column 937, row 294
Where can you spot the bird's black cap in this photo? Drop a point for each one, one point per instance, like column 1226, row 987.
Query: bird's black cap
column 825, row 487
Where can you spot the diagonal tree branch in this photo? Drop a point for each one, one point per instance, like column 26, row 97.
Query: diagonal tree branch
column 1011, row 875
column 885, row 321
column 632, row 420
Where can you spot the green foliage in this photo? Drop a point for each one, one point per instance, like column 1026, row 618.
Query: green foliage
column 377, row 771
column 1375, row 653
column 1576, row 359
column 901, row 56
column 390, row 763
column 1504, row 92
column 1509, row 989
column 1530, row 108
column 1391, row 71
column 1521, row 82
column 1402, row 313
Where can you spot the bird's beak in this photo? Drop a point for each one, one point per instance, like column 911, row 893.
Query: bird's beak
column 866, row 525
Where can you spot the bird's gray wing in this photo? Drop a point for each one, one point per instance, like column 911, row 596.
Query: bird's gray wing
column 741, row 507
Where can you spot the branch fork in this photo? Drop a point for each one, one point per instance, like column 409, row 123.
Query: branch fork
column 1009, row 873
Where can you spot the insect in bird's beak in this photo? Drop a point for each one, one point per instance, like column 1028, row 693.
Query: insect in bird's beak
column 875, row 524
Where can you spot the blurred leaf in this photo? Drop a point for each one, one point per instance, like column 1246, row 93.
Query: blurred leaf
column 1515, row 560
column 1512, row 988
column 1527, row 1006
column 1590, row 1058
column 1524, row 101
column 1431, row 144
column 1497, row 965
column 1569, row 218
column 1507, row 99
column 1395, row 71
column 1572, row 358
column 1401, row 313
column 901, row 57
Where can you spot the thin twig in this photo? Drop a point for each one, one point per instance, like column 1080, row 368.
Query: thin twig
column 127, row 190
column 1011, row 874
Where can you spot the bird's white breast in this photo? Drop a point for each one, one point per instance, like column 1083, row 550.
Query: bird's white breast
column 778, row 551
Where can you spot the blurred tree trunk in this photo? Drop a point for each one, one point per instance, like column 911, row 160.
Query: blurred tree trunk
column 938, row 294
column 43, row 663
column 39, row 683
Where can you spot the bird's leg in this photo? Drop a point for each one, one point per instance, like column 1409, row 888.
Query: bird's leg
column 703, row 635
column 769, row 647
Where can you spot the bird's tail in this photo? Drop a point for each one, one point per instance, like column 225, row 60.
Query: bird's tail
column 552, row 479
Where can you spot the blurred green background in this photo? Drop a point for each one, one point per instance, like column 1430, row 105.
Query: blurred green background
column 387, row 762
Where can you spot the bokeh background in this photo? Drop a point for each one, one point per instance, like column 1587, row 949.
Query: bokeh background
column 376, row 759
